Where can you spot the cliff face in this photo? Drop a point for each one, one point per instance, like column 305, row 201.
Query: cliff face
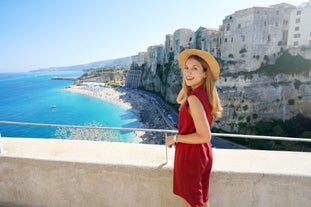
column 165, row 81
column 246, row 98
column 115, row 76
column 249, row 100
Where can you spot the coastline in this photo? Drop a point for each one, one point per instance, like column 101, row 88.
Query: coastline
column 149, row 116
column 102, row 92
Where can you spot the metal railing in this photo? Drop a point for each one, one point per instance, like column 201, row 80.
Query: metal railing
column 165, row 131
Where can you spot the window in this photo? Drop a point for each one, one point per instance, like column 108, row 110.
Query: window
column 285, row 22
column 296, row 43
column 298, row 20
column 243, row 38
column 298, row 12
column 239, row 26
column 297, row 35
column 231, row 39
column 276, row 24
column 309, row 42
column 296, row 28
column 277, row 12
column 226, row 40
column 228, row 27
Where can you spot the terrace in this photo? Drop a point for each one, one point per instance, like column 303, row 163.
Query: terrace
column 53, row 172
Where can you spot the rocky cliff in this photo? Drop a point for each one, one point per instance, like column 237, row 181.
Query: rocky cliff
column 260, row 97
column 247, row 97
column 104, row 76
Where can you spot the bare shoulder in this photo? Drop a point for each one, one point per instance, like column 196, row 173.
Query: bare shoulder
column 194, row 103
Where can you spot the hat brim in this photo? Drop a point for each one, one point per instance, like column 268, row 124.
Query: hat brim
column 207, row 57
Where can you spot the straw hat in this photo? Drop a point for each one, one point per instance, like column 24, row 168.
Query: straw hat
column 209, row 59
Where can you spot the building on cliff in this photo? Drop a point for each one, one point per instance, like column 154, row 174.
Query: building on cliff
column 182, row 38
column 133, row 79
column 139, row 59
column 299, row 33
column 206, row 39
column 247, row 38
column 254, row 35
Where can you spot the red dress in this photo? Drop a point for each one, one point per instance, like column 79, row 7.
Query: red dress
column 193, row 162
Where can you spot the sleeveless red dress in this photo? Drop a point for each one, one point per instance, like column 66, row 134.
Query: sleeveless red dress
column 193, row 162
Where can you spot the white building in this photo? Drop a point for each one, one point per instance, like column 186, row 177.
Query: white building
column 254, row 35
column 299, row 33
column 207, row 39
column 139, row 59
column 182, row 39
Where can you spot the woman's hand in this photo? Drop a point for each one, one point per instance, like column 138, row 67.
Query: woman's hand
column 170, row 141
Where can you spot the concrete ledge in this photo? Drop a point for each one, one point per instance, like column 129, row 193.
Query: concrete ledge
column 46, row 172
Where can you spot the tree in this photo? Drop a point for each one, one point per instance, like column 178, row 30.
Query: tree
column 92, row 131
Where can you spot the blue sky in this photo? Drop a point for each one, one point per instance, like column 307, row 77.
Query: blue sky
column 51, row 33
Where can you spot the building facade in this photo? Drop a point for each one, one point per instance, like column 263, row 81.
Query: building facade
column 299, row 34
column 206, row 39
column 182, row 38
column 254, row 35
column 246, row 39
column 139, row 59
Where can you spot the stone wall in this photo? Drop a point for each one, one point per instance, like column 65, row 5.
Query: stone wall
column 47, row 172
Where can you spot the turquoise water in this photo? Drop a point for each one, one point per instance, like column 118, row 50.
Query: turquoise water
column 35, row 97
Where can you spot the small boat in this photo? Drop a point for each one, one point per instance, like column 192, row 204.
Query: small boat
column 53, row 106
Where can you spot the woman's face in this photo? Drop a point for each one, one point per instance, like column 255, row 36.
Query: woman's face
column 193, row 73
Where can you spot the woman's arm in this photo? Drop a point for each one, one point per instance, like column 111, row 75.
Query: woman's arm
column 203, row 132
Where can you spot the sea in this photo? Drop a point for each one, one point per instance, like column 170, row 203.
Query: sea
column 33, row 97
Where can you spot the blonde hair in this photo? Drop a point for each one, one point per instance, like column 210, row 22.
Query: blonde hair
column 210, row 89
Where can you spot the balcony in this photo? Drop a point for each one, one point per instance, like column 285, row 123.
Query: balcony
column 51, row 172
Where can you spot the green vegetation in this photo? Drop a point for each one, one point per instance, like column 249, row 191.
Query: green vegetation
column 286, row 64
column 243, row 50
column 248, row 119
column 298, row 126
column 93, row 131
column 245, row 107
column 297, row 84
column 291, row 102
column 159, row 72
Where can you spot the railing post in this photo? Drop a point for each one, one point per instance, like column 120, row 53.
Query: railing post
column 166, row 148
column 1, row 145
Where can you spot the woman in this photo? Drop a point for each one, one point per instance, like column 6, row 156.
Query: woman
column 200, row 105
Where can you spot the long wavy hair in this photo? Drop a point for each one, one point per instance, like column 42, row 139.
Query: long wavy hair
column 209, row 86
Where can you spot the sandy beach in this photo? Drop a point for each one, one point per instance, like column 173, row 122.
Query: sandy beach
column 150, row 118
column 100, row 91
